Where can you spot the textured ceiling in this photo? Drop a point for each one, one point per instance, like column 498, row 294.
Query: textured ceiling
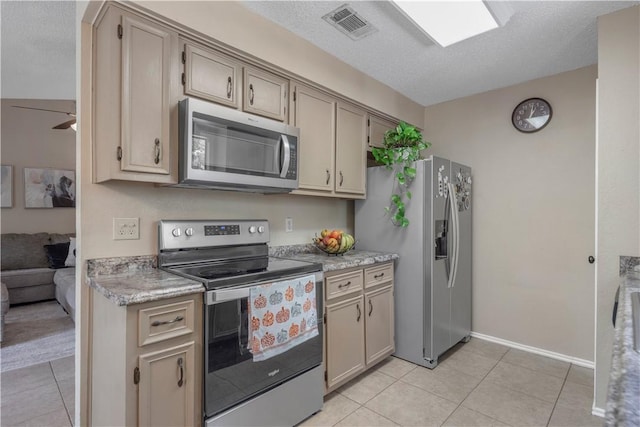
column 38, row 49
column 541, row 38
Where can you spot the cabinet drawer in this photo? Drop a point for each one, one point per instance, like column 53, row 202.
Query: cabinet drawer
column 378, row 274
column 165, row 322
column 343, row 284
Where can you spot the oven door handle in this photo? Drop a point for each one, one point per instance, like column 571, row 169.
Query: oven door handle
column 237, row 292
column 222, row 295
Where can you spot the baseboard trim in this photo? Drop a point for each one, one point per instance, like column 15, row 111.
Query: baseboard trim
column 551, row 354
column 598, row 412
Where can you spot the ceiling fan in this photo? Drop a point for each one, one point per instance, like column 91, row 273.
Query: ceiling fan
column 65, row 125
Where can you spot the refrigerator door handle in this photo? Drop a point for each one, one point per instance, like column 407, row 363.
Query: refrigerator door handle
column 456, row 233
column 451, row 197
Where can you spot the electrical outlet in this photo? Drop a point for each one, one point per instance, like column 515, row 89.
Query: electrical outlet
column 126, row 228
column 288, row 224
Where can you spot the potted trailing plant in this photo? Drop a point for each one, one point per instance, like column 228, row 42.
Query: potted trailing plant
column 401, row 148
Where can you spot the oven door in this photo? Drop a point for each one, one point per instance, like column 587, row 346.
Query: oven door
column 231, row 374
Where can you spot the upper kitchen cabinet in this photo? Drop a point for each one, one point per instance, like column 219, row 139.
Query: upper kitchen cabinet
column 133, row 72
column 351, row 150
column 313, row 112
column 211, row 75
column 265, row 94
column 332, row 154
column 377, row 128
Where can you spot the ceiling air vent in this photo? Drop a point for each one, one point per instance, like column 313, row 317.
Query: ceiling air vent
column 349, row 22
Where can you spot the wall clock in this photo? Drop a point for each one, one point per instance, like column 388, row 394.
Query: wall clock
column 531, row 115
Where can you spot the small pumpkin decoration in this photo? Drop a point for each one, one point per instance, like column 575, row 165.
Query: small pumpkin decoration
column 307, row 305
column 267, row 340
column 260, row 302
column 294, row 330
column 308, row 288
column 267, row 319
column 282, row 316
column 275, row 298
column 255, row 323
column 288, row 294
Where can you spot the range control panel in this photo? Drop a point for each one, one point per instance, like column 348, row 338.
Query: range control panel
column 188, row 234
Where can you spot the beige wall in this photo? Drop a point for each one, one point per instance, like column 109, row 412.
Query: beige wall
column 618, row 227
column 29, row 142
column 533, row 219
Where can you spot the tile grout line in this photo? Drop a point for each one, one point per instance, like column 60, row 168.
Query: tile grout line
column 473, row 389
column 558, row 398
column 55, row 379
column 374, row 396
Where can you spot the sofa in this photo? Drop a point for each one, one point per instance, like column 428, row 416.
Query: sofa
column 39, row 266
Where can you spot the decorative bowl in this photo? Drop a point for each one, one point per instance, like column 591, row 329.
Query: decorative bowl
column 324, row 249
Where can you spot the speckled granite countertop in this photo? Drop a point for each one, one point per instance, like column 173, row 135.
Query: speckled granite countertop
column 353, row 258
column 134, row 280
column 623, row 398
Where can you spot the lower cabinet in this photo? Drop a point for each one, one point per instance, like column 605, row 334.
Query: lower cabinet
column 359, row 317
column 165, row 390
column 145, row 362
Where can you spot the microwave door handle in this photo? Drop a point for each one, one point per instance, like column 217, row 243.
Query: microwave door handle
column 287, row 155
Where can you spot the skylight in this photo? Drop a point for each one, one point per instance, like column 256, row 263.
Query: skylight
column 448, row 22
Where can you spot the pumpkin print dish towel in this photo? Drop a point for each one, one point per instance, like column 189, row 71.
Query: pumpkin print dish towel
column 281, row 316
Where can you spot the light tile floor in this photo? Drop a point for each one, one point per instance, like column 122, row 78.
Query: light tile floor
column 475, row 384
column 39, row 395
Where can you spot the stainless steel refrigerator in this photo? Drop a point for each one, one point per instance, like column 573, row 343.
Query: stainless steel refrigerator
column 433, row 273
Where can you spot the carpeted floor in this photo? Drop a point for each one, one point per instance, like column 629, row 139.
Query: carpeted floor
column 36, row 333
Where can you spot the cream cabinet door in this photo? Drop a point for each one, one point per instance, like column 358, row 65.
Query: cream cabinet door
column 146, row 69
column 166, row 387
column 265, row 94
column 210, row 75
column 377, row 128
column 351, row 151
column 379, row 337
column 314, row 114
column 345, row 340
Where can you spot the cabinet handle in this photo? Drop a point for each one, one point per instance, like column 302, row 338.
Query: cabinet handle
column 251, row 94
column 370, row 308
column 181, row 367
column 359, row 312
column 341, row 178
column 229, row 87
column 157, row 148
column 344, row 285
column 328, row 176
column 377, row 276
column 166, row 322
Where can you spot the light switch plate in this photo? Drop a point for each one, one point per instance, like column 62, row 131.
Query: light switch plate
column 126, row 228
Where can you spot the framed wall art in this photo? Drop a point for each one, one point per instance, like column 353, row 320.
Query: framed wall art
column 49, row 188
column 6, row 186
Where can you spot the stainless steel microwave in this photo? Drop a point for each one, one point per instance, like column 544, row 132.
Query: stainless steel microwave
column 226, row 149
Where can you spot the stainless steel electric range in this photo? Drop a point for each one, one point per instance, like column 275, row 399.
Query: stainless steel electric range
column 230, row 257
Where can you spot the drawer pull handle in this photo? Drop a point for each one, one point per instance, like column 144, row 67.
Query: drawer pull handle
column 344, row 285
column 229, row 87
column 181, row 367
column 359, row 312
column 370, row 308
column 166, row 322
column 377, row 276
column 251, row 94
column 341, row 178
column 328, row 176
